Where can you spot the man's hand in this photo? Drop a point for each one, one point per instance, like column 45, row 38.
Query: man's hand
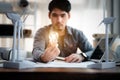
column 51, row 52
column 74, row 58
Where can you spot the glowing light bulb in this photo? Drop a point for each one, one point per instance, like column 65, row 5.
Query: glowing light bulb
column 53, row 37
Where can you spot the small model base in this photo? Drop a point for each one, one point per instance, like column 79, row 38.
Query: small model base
column 19, row 64
column 102, row 65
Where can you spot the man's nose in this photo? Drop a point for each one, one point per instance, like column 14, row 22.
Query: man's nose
column 59, row 19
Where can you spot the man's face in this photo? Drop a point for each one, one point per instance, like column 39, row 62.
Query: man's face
column 59, row 19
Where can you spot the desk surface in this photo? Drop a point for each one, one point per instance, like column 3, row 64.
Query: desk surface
column 61, row 73
column 63, row 70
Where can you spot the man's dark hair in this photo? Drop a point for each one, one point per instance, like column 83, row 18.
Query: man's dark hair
column 63, row 5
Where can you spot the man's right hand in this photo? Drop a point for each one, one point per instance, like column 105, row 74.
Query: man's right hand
column 51, row 52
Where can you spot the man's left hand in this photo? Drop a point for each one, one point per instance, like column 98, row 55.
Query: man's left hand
column 74, row 58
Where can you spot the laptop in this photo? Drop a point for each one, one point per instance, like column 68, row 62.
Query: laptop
column 98, row 54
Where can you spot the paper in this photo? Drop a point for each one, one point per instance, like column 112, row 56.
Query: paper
column 63, row 64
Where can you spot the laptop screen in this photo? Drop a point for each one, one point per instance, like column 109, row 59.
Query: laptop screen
column 100, row 48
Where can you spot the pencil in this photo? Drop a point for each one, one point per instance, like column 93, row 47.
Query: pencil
column 60, row 58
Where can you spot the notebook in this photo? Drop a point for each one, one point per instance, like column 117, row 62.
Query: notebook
column 98, row 54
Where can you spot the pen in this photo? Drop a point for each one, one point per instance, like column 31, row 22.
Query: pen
column 60, row 58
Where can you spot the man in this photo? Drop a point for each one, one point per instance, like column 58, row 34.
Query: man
column 67, row 39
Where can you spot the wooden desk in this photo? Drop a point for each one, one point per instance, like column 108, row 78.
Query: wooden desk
column 60, row 74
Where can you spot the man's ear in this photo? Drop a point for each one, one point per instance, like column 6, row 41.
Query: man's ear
column 69, row 15
column 49, row 15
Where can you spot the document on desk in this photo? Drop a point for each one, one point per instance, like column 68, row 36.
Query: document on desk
column 63, row 64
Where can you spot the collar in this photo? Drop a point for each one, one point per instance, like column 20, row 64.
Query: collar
column 68, row 30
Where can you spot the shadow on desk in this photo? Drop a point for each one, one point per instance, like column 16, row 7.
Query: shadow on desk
column 60, row 74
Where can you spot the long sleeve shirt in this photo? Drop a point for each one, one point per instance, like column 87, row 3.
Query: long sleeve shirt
column 67, row 44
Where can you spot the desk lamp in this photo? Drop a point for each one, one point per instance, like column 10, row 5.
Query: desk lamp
column 15, row 62
column 107, row 63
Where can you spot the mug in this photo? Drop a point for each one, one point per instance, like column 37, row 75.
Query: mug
column 5, row 53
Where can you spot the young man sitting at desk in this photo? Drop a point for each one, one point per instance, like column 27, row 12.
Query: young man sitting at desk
column 58, row 39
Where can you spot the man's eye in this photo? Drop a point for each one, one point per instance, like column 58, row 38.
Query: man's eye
column 54, row 15
column 62, row 15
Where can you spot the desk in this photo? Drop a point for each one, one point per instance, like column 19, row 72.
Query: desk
column 60, row 74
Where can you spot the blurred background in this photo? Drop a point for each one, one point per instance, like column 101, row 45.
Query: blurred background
column 86, row 15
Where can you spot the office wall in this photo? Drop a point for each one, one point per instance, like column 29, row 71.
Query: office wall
column 115, row 10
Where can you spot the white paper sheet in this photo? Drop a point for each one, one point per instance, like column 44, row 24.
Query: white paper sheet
column 62, row 64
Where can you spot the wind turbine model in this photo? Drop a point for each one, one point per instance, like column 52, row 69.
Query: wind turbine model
column 15, row 61
column 107, row 63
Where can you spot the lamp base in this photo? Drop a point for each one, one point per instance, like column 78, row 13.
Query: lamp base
column 102, row 65
column 19, row 64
